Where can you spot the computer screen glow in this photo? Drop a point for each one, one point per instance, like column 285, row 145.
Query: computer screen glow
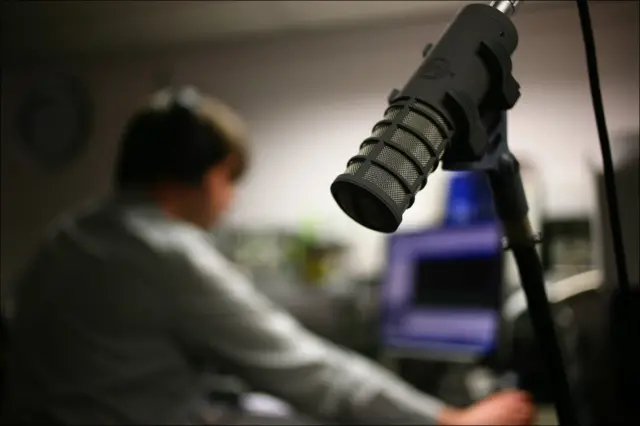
column 443, row 289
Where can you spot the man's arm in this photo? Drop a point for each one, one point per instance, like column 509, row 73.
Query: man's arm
column 221, row 315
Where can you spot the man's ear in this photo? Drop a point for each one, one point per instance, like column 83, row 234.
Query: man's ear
column 219, row 172
column 236, row 166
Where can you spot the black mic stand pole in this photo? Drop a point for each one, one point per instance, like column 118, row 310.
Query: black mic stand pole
column 503, row 171
column 482, row 146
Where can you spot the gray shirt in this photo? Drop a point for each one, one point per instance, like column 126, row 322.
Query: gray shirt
column 123, row 309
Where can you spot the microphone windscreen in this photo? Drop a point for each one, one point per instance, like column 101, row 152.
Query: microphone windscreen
column 392, row 166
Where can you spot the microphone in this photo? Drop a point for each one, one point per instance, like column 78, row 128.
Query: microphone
column 444, row 113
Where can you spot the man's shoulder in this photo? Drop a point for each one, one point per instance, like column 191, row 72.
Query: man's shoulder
column 174, row 239
column 113, row 219
column 140, row 226
column 163, row 233
column 190, row 253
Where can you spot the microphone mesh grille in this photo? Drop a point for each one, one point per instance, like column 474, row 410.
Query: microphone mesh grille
column 385, row 181
column 392, row 113
column 393, row 163
column 413, row 145
column 353, row 167
column 398, row 162
column 367, row 148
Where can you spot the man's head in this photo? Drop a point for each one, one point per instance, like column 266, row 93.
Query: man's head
column 188, row 151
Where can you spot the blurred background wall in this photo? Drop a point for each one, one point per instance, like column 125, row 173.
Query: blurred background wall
column 311, row 83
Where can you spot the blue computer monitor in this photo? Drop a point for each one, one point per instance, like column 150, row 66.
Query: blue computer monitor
column 443, row 290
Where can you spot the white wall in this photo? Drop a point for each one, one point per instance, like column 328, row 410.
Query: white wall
column 311, row 99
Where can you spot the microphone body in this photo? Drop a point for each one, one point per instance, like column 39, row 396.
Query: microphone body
column 446, row 112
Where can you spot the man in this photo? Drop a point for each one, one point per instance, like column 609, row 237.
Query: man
column 127, row 302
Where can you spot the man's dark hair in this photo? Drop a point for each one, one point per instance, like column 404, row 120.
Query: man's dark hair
column 176, row 142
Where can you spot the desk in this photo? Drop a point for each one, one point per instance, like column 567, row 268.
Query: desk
column 240, row 418
column 546, row 416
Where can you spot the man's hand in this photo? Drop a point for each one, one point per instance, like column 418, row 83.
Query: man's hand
column 513, row 408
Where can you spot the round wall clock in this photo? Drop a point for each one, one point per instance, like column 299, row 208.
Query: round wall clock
column 54, row 122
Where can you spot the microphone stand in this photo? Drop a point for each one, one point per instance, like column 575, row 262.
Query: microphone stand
column 469, row 96
column 503, row 171
column 480, row 143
